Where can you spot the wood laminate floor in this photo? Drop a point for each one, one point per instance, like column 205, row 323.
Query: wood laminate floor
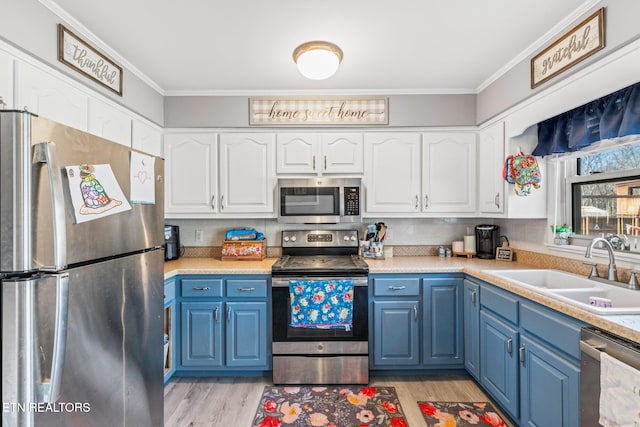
column 232, row 402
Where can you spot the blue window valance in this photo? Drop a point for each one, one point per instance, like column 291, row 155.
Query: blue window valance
column 612, row 116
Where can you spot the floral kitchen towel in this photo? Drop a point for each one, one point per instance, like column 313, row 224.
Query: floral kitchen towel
column 321, row 303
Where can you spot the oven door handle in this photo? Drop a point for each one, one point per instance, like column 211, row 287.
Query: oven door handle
column 282, row 283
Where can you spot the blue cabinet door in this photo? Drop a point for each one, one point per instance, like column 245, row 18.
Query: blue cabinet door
column 395, row 329
column 246, row 340
column 201, row 330
column 443, row 339
column 499, row 362
column 550, row 387
column 472, row 328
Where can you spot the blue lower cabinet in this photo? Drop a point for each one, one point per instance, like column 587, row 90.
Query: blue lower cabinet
column 499, row 362
column 472, row 328
column 443, row 338
column 246, row 343
column 549, row 387
column 201, row 334
column 224, row 325
column 396, row 333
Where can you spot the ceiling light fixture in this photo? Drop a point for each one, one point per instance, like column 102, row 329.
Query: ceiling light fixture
column 317, row 60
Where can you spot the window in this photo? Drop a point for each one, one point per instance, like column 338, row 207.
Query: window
column 606, row 192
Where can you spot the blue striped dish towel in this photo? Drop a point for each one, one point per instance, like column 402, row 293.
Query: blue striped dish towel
column 321, row 303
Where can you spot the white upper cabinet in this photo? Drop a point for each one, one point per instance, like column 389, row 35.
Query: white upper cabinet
column 191, row 167
column 6, row 79
column 109, row 122
column 491, row 157
column 392, row 172
column 342, row 153
column 319, row 153
column 449, row 172
column 146, row 138
column 46, row 95
column 247, row 173
column 297, row 153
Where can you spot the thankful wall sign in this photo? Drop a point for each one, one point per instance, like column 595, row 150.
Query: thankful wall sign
column 85, row 59
column 324, row 111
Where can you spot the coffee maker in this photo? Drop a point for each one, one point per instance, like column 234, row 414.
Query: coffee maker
column 487, row 241
column 171, row 242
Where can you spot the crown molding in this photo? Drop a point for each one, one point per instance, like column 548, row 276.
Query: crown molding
column 541, row 42
column 321, row 92
column 83, row 31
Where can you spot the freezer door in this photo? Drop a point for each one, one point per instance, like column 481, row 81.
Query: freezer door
column 58, row 239
column 112, row 367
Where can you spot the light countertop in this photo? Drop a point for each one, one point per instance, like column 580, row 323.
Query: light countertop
column 627, row 326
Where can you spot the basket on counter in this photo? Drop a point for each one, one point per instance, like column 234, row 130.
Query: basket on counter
column 252, row 250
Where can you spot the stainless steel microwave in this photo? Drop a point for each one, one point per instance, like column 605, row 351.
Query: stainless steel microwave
column 319, row 200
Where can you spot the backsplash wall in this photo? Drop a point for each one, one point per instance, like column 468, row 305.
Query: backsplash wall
column 402, row 231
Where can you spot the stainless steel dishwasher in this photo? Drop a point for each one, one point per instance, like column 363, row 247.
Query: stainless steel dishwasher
column 594, row 341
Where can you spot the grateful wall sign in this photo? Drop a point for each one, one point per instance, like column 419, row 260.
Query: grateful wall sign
column 325, row 111
column 82, row 57
column 582, row 41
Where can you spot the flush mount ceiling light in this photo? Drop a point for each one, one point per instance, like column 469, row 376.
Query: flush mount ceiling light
column 317, row 60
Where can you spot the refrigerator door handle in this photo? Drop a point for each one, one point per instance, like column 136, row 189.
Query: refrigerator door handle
column 45, row 152
column 49, row 391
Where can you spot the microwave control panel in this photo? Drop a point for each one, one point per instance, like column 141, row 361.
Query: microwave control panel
column 352, row 201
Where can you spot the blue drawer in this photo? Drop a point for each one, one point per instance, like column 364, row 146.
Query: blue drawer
column 201, row 287
column 390, row 287
column 552, row 327
column 169, row 291
column 500, row 302
column 247, row 288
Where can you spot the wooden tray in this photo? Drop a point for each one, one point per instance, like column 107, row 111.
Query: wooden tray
column 465, row 254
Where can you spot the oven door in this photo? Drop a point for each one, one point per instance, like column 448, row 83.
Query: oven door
column 284, row 333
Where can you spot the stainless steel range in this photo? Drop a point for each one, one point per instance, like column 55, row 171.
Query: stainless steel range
column 320, row 354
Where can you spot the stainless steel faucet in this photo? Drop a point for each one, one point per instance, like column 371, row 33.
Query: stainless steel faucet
column 612, row 273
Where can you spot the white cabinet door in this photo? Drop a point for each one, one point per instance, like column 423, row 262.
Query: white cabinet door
column 108, row 122
column 449, row 172
column 146, row 138
column 50, row 97
column 342, row 153
column 247, row 172
column 190, row 175
column 491, row 159
column 392, row 172
column 6, row 79
column 297, row 153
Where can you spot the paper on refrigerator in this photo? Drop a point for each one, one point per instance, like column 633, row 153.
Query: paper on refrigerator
column 95, row 192
column 143, row 184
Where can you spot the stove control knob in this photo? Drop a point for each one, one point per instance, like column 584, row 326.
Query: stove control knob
column 294, row 238
column 285, row 238
column 320, row 347
column 353, row 238
column 346, row 238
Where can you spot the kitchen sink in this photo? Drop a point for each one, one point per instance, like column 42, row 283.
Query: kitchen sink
column 549, row 279
column 575, row 290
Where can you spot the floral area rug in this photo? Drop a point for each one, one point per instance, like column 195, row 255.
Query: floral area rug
column 335, row 406
column 460, row 414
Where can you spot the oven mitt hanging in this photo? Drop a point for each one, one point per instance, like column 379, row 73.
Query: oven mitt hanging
column 522, row 170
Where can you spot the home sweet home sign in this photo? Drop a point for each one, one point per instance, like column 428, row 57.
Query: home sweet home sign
column 325, row 111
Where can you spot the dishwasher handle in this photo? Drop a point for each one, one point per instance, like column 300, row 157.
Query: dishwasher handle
column 592, row 351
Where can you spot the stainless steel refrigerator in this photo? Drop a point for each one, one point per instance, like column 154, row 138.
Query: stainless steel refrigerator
column 82, row 314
